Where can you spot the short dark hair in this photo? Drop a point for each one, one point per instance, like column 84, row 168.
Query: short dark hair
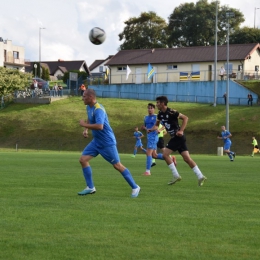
column 151, row 105
column 162, row 99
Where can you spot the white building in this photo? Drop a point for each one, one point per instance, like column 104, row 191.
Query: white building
column 11, row 56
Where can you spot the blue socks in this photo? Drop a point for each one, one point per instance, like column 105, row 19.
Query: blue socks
column 87, row 172
column 148, row 162
column 128, row 177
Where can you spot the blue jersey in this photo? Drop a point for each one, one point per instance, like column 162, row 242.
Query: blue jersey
column 225, row 134
column 97, row 115
column 149, row 122
column 137, row 135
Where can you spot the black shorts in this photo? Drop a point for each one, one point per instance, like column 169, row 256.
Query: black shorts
column 177, row 143
column 160, row 143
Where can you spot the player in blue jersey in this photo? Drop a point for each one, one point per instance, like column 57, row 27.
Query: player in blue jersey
column 225, row 136
column 138, row 135
column 152, row 139
column 103, row 143
column 169, row 118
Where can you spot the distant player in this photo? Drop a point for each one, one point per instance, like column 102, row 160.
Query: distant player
column 225, row 136
column 255, row 145
column 138, row 135
column 152, row 139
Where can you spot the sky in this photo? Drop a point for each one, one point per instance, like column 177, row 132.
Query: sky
column 67, row 24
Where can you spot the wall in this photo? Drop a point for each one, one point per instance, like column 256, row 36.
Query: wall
column 199, row 92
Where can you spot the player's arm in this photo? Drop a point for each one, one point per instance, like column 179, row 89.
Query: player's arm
column 155, row 127
column 87, row 125
column 100, row 117
column 162, row 128
column 183, row 125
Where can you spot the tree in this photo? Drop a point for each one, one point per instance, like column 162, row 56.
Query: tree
column 45, row 73
column 194, row 24
column 245, row 35
column 12, row 80
column 144, row 32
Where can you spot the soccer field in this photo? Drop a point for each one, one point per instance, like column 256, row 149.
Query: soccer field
column 42, row 217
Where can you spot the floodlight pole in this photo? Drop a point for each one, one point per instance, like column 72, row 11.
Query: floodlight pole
column 216, row 57
column 228, row 16
column 41, row 28
column 254, row 15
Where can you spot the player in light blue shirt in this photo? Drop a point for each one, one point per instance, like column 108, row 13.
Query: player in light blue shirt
column 138, row 135
column 103, row 143
column 225, row 136
column 152, row 138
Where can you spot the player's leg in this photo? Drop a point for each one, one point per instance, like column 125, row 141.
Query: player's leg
column 167, row 157
column 135, row 151
column 88, row 153
column 110, row 154
column 186, row 157
column 148, row 161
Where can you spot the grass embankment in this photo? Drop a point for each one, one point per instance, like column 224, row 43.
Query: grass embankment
column 56, row 126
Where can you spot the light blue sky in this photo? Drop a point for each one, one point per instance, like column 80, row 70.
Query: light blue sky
column 68, row 22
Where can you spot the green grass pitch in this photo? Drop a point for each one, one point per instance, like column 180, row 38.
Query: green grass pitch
column 42, row 217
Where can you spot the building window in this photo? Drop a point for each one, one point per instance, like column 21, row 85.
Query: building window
column 172, row 67
column 240, row 67
column 101, row 69
column 121, row 68
column 16, row 54
column 257, row 68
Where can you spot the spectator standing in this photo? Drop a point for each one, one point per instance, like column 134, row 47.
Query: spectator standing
column 250, row 99
column 222, row 72
column 82, row 88
column 225, row 98
column 60, row 91
column 34, row 87
column 55, row 90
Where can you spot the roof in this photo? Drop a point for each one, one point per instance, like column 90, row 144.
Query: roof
column 98, row 62
column 183, row 55
column 63, row 65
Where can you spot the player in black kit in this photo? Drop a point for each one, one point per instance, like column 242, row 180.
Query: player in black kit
column 169, row 118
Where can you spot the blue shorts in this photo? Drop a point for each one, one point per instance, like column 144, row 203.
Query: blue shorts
column 138, row 143
column 152, row 142
column 227, row 145
column 109, row 153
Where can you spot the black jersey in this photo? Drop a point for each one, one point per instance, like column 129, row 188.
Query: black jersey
column 169, row 119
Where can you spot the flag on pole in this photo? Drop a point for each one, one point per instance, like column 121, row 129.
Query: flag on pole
column 150, row 71
column 128, row 71
column 106, row 74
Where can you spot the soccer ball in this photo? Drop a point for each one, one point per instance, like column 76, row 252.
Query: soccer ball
column 97, row 35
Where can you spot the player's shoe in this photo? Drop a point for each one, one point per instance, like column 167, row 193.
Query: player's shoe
column 153, row 164
column 201, row 180
column 133, row 156
column 174, row 160
column 174, row 180
column 147, row 173
column 232, row 160
column 87, row 191
column 234, row 155
column 135, row 192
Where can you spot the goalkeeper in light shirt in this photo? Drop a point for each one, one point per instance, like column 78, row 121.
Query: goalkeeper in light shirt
column 255, row 144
